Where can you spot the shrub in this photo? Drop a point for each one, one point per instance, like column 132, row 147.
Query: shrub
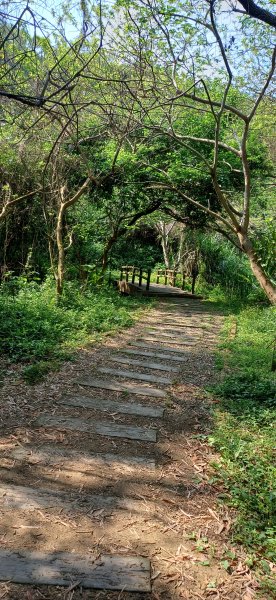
column 35, row 328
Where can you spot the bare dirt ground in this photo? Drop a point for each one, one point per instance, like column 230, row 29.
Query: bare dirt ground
column 171, row 513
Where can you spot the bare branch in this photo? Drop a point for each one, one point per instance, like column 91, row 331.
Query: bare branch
column 205, row 209
column 8, row 205
column 257, row 12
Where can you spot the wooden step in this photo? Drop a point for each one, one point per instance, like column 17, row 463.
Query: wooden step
column 165, row 341
column 158, row 355
column 97, row 427
column 170, row 324
column 143, row 364
column 79, row 461
column 133, row 375
column 155, row 347
column 117, row 386
column 170, row 334
column 104, row 572
column 18, row 497
column 128, row 408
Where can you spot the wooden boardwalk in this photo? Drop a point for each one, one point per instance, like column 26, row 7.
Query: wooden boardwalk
column 157, row 290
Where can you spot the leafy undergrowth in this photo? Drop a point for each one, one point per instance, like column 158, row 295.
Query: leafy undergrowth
column 244, row 434
column 39, row 333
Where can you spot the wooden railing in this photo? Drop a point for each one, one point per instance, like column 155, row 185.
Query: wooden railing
column 128, row 272
column 170, row 275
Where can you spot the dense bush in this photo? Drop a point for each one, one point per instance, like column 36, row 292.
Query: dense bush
column 34, row 327
column 225, row 267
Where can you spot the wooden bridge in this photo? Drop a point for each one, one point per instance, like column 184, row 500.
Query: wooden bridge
column 136, row 280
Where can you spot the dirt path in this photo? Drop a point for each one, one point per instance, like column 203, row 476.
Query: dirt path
column 93, row 471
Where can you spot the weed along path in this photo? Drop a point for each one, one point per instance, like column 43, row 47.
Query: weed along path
column 104, row 488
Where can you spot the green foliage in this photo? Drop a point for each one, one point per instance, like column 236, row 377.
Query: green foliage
column 224, row 266
column 265, row 231
column 34, row 373
column 244, row 432
column 247, row 389
column 35, row 328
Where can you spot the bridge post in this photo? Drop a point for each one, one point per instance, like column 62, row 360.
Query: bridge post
column 140, row 277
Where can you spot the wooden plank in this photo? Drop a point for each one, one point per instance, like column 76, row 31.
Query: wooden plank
column 91, row 426
column 18, row 497
column 166, row 326
column 127, row 408
column 170, row 335
column 118, row 386
column 143, row 364
column 80, row 461
column 159, row 355
column 129, row 573
column 147, row 338
column 133, row 375
column 161, row 348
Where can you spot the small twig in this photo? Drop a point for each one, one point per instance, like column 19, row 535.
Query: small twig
column 121, row 592
column 72, row 587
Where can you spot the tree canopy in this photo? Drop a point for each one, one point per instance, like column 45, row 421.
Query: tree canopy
column 139, row 106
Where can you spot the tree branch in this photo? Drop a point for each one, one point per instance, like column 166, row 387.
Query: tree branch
column 257, row 12
column 11, row 203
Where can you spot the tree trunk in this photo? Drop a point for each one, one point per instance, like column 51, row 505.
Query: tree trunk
column 258, row 271
column 165, row 253
column 106, row 251
column 61, row 253
column 179, row 257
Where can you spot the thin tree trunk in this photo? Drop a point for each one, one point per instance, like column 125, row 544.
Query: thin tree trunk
column 106, row 251
column 4, row 267
column 165, row 252
column 61, row 254
column 65, row 204
column 52, row 257
column 257, row 269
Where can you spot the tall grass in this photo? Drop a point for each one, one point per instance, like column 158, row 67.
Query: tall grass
column 223, row 266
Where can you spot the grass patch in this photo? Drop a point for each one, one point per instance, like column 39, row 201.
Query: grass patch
column 35, row 372
column 244, row 432
column 38, row 332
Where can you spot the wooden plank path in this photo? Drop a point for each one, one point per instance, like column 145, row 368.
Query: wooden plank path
column 147, row 338
column 159, row 355
column 179, row 330
column 177, row 352
column 143, row 364
column 117, row 386
column 161, row 348
column 127, row 408
column 79, row 461
column 61, row 568
column 172, row 335
column 169, row 325
column 25, row 498
column 159, row 290
column 133, row 375
column 100, row 428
